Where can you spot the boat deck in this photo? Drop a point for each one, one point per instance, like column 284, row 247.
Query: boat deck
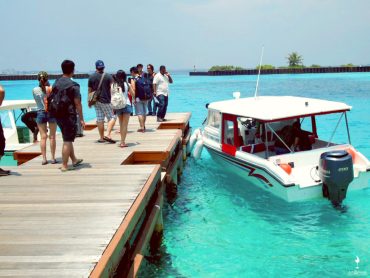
column 78, row 223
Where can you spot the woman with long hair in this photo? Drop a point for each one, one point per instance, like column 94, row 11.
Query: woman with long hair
column 40, row 94
column 123, row 114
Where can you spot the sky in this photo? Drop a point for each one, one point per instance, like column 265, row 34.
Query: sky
column 39, row 34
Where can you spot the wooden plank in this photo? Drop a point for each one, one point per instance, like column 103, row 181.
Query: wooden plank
column 146, row 235
column 69, row 258
column 110, row 258
column 135, row 265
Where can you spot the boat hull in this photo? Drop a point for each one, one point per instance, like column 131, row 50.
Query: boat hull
column 260, row 177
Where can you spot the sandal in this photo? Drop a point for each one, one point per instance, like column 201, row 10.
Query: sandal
column 110, row 140
column 123, row 145
column 54, row 161
column 100, row 141
column 4, row 171
column 141, row 130
column 63, row 170
column 44, row 162
column 78, row 162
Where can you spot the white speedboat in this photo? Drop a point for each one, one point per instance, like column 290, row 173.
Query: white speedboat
column 244, row 134
column 17, row 136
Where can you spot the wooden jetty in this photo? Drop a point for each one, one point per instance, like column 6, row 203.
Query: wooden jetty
column 89, row 221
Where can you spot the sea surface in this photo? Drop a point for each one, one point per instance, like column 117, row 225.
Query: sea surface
column 221, row 226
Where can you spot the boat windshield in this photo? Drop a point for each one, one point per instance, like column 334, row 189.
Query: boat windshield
column 214, row 118
column 316, row 131
column 5, row 119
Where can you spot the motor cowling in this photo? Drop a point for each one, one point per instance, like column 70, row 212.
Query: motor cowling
column 336, row 173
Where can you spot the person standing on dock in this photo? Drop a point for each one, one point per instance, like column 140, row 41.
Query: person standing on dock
column 140, row 69
column 103, row 107
column 43, row 118
column 69, row 105
column 142, row 93
column 152, row 105
column 121, row 87
column 161, row 83
column 2, row 138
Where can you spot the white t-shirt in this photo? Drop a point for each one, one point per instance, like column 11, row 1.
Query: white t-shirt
column 125, row 93
column 161, row 82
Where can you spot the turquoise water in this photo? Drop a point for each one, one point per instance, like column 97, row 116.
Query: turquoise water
column 220, row 226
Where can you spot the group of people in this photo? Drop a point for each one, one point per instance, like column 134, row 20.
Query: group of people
column 146, row 93
column 64, row 94
column 59, row 105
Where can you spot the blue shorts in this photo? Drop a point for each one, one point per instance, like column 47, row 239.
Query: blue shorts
column 141, row 107
column 126, row 110
column 43, row 117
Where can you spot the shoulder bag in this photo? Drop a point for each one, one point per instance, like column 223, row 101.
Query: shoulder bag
column 93, row 97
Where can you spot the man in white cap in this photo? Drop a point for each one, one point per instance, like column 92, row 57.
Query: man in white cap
column 103, row 106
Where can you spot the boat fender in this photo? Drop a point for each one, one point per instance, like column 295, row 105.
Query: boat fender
column 193, row 139
column 198, row 148
column 352, row 152
column 286, row 167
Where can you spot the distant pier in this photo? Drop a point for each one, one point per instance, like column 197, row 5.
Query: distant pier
column 4, row 77
column 283, row 71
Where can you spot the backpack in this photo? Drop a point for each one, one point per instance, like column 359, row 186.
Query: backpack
column 59, row 103
column 143, row 88
column 118, row 99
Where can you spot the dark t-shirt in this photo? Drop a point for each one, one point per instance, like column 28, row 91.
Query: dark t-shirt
column 286, row 134
column 304, row 141
column 93, row 83
column 73, row 91
column 150, row 78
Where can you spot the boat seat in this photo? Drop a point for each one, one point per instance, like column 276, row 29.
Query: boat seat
column 270, row 136
column 253, row 148
column 312, row 138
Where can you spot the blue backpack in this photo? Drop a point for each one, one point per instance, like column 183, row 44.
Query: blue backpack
column 143, row 88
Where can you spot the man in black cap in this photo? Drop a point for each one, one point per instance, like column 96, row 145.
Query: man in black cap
column 2, row 138
column 103, row 106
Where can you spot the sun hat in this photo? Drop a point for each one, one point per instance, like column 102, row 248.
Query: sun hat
column 99, row 64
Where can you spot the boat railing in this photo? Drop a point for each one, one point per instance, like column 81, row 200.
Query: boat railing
column 305, row 158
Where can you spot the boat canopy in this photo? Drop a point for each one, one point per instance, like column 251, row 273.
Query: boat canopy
column 17, row 104
column 274, row 108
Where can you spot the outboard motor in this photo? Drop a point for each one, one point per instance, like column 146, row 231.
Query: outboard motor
column 336, row 173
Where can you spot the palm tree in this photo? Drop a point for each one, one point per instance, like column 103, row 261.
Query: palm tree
column 295, row 59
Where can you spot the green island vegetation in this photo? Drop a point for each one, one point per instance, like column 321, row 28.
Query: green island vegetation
column 295, row 61
column 265, row 67
column 348, row 65
column 225, row 68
